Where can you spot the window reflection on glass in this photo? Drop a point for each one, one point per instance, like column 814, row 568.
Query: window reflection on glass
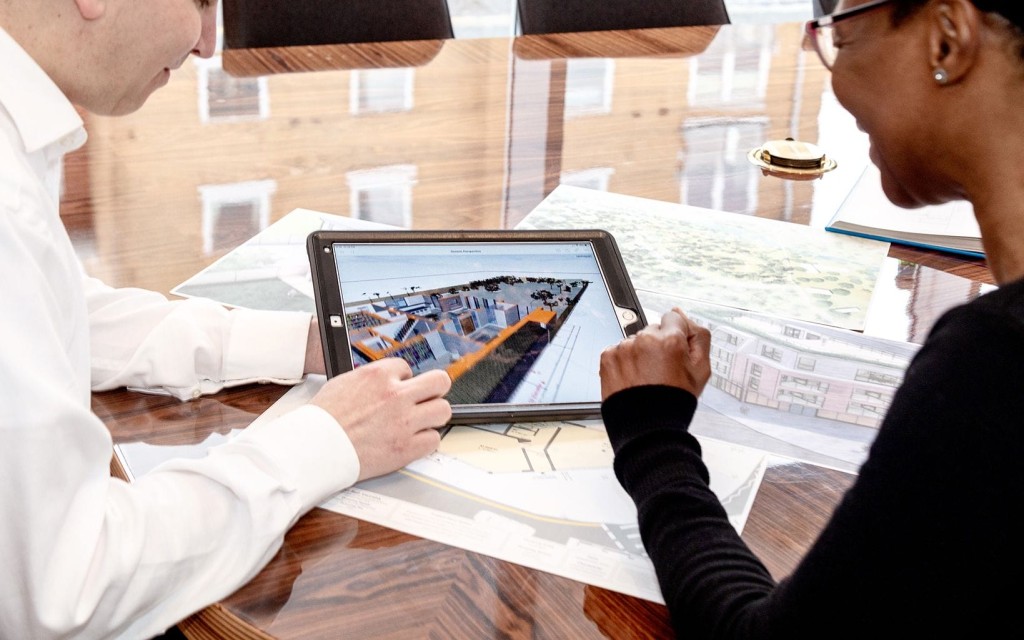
column 381, row 90
column 588, row 86
column 223, row 97
column 233, row 213
column 382, row 204
column 764, row 11
column 234, row 223
column 483, row 18
column 716, row 173
column 594, row 178
column 383, row 194
column 734, row 68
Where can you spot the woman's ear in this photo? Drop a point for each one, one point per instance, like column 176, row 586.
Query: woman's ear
column 954, row 39
column 91, row 9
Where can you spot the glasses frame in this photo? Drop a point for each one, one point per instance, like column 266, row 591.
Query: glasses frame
column 814, row 27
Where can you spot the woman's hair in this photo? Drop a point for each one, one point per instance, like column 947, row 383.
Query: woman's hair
column 1012, row 11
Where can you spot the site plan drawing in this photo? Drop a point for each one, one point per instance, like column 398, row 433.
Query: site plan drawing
column 725, row 258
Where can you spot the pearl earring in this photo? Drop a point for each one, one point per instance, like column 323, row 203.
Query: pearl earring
column 940, row 75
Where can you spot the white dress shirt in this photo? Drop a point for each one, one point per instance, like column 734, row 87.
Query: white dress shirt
column 85, row 555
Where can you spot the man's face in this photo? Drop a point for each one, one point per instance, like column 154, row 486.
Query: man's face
column 147, row 41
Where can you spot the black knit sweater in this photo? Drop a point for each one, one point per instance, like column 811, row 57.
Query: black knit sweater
column 929, row 541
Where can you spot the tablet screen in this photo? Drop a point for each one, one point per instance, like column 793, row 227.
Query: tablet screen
column 511, row 322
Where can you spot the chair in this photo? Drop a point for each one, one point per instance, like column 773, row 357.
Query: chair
column 285, row 23
column 559, row 16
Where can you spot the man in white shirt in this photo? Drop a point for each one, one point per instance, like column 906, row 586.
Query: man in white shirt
column 85, row 555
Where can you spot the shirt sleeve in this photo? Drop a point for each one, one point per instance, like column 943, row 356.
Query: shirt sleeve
column 706, row 573
column 917, row 547
column 85, row 555
column 187, row 348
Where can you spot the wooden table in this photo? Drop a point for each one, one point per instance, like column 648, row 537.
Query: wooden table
column 461, row 134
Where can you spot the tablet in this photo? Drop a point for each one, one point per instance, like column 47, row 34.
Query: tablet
column 518, row 318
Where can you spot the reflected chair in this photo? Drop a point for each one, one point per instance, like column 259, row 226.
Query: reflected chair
column 561, row 16
column 286, row 23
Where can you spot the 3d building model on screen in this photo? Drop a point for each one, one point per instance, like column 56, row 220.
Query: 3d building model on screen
column 485, row 333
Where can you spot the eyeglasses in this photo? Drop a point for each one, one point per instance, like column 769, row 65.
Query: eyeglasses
column 821, row 32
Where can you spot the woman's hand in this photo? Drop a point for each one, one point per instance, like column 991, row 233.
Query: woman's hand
column 673, row 352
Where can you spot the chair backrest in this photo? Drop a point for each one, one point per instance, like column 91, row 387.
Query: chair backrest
column 559, row 16
column 284, row 23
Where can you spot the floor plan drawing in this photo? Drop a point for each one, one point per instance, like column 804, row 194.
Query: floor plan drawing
column 539, row 494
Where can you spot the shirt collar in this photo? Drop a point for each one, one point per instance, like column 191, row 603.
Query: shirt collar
column 41, row 113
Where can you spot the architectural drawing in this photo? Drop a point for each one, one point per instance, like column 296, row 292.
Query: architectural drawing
column 270, row 270
column 725, row 258
column 791, row 388
column 538, row 494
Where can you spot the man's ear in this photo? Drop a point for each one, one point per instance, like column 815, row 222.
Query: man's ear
column 91, row 9
column 954, row 37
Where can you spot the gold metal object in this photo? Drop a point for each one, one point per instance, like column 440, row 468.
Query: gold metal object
column 791, row 158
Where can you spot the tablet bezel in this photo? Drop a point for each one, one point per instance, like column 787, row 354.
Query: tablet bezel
column 334, row 338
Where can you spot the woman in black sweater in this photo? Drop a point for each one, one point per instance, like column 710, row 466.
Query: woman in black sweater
column 928, row 542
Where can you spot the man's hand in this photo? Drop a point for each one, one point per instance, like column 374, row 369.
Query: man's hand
column 674, row 353
column 390, row 416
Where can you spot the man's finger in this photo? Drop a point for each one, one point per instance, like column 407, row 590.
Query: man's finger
column 393, row 366
column 433, row 414
column 429, row 384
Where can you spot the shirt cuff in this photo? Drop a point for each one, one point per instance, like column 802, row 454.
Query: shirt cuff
column 266, row 345
column 312, row 451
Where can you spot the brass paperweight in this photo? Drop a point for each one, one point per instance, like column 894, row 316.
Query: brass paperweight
column 791, row 158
